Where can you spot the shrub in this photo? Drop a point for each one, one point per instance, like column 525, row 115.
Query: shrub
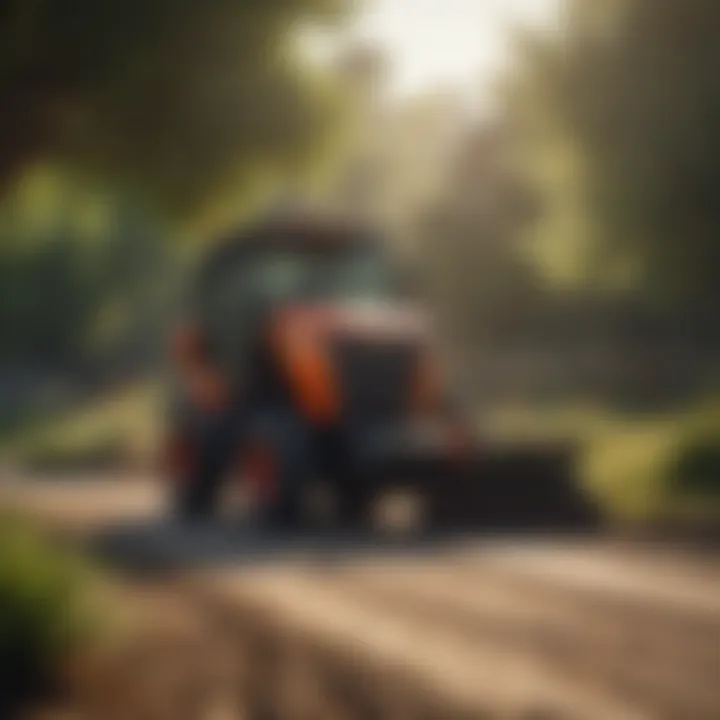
column 626, row 464
column 46, row 609
column 657, row 467
column 695, row 473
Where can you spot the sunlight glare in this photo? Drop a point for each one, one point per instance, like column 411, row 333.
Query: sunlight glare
column 447, row 42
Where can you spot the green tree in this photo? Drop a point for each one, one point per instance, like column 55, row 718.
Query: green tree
column 178, row 100
column 621, row 114
column 472, row 260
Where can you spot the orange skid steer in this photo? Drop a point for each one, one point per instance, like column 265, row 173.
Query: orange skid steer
column 315, row 370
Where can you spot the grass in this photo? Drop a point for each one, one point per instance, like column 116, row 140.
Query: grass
column 116, row 430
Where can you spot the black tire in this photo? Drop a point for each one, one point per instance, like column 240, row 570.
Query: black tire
column 194, row 501
column 353, row 506
column 284, row 514
column 360, row 507
column 286, row 510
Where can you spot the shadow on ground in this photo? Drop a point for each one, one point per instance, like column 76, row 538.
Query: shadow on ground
column 171, row 546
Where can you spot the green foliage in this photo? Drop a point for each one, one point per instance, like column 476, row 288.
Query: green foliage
column 83, row 283
column 470, row 255
column 629, row 91
column 46, row 607
column 626, row 465
column 656, row 468
column 49, row 320
column 181, row 101
column 695, row 472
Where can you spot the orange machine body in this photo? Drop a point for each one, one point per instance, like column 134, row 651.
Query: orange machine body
column 301, row 339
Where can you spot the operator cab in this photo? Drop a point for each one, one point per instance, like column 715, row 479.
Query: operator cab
column 300, row 262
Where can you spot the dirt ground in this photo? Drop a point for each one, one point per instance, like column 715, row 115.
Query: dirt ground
column 484, row 628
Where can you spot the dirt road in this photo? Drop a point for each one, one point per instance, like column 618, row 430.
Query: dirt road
column 473, row 627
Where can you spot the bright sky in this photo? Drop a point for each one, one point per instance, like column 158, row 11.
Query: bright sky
column 436, row 42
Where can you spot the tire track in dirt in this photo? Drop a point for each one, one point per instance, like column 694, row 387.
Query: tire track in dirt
column 488, row 678
column 662, row 659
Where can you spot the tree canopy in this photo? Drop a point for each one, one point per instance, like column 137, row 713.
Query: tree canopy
column 178, row 100
column 621, row 113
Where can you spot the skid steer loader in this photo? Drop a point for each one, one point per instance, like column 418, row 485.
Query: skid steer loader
column 308, row 356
